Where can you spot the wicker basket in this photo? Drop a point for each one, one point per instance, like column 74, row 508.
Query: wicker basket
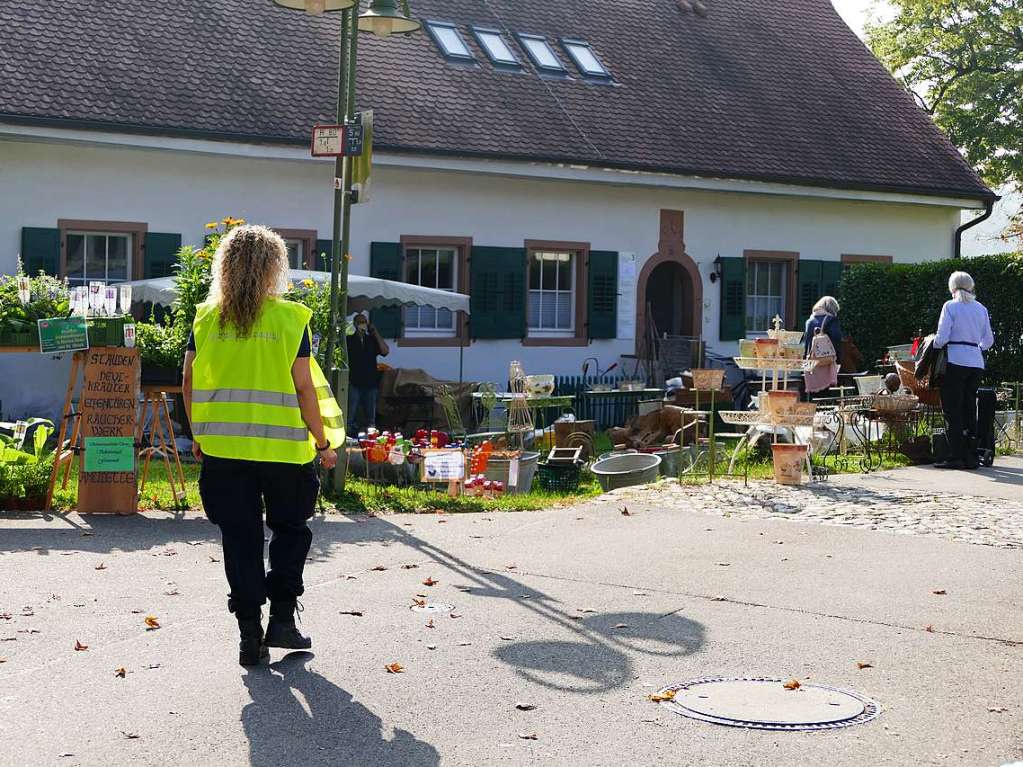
column 894, row 403
column 921, row 389
column 708, row 379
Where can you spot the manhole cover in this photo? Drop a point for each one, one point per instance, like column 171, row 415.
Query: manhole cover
column 765, row 704
column 433, row 607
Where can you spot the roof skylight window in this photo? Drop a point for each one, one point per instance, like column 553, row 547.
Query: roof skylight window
column 541, row 53
column 449, row 40
column 584, row 57
column 492, row 41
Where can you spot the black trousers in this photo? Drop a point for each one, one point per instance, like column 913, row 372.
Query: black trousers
column 959, row 403
column 234, row 494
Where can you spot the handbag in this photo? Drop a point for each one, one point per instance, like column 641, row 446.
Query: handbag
column 825, row 374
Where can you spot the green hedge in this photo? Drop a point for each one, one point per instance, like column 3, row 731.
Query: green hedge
column 884, row 305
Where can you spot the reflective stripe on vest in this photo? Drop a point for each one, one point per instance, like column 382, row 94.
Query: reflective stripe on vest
column 246, row 396
column 257, row 430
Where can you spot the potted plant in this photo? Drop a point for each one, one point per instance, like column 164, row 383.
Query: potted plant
column 25, row 473
column 18, row 321
column 161, row 352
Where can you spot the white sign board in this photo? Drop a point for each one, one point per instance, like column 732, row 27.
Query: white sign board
column 328, row 140
column 443, row 465
column 628, row 275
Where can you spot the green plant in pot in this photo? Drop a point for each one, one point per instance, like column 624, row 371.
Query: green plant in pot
column 48, row 298
column 25, row 472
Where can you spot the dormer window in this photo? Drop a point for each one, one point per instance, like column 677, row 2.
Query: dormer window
column 584, row 58
column 542, row 54
column 499, row 52
column 450, row 41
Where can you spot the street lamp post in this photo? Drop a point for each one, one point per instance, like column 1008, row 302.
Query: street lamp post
column 383, row 18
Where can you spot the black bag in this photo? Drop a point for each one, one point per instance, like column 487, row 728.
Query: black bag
column 987, row 400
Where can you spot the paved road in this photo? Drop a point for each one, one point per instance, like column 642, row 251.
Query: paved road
column 581, row 612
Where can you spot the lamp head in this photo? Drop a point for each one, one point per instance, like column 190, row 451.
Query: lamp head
column 385, row 18
column 316, row 7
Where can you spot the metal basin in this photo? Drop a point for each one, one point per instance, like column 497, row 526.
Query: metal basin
column 626, row 470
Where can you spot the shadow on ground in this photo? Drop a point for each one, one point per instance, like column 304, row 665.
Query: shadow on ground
column 298, row 717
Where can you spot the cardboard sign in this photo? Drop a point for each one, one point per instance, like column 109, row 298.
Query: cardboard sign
column 109, row 406
column 114, row 454
column 63, row 335
column 443, row 465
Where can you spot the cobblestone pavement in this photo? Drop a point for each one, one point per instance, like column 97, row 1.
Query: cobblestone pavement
column 968, row 519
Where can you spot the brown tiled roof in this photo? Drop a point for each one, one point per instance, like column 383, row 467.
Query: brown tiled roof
column 776, row 90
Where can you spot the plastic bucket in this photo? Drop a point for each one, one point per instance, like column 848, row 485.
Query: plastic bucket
column 788, row 463
column 498, row 468
column 626, row 470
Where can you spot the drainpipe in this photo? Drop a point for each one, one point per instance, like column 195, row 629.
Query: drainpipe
column 989, row 209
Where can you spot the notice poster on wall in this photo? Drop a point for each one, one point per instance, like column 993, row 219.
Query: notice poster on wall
column 628, row 274
column 108, row 408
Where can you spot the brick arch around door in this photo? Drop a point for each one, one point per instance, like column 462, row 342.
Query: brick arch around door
column 671, row 251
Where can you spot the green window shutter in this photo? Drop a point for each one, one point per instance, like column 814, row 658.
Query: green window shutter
column 733, row 299
column 602, row 294
column 497, row 303
column 808, row 287
column 321, row 260
column 385, row 263
column 831, row 278
column 40, row 250
column 159, row 254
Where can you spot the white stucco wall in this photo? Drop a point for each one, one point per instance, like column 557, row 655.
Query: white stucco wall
column 179, row 192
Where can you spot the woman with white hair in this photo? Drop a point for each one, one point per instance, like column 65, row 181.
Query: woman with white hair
column 822, row 327
column 964, row 330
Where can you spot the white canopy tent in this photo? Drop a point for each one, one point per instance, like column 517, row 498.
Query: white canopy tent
column 363, row 292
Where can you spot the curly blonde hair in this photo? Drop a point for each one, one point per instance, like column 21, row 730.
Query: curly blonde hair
column 250, row 265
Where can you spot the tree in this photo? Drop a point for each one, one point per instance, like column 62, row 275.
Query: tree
column 963, row 60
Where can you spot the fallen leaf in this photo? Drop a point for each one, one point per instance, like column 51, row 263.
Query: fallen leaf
column 130, row 735
column 120, row 672
column 511, row 567
column 378, row 569
column 660, row 697
column 28, row 631
column 431, row 647
column 626, row 512
column 723, row 564
column 442, row 521
column 586, row 610
column 409, row 567
column 528, row 736
column 79, row 647
column 639, row 594
column 507, row 638
column 429, row 624
column 100, row 566
column 394, row 668
column 929, row 628
column 939, row 592
column 464, row 644
column 419, row 602
column 430, row 582
column 11, row 638
column 860, row 665
column 213, row 558
column 152, row 623
column 63, row 754
column 172, row 593
column 3, row 660
column 356, row 613
column 792, row 684
column 136, row 612
column 719, row 599
column 421, row 596
column 621, row 626
column 525, row 706
column 5, row 616
column 997, row 709
column 454, row 615
column 151, row 666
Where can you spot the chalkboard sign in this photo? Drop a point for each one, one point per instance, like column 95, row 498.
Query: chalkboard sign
column 108, row 406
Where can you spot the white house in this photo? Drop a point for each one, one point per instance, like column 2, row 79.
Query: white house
column 566, row 164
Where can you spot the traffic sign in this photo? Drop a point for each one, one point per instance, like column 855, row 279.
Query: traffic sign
column 337, row 140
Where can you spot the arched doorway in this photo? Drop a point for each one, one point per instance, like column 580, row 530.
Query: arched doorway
column 669, row 295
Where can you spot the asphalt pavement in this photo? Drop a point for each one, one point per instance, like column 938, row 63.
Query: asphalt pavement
column 577, row 614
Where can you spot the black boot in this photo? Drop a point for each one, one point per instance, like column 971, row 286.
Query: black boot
column 970, row 445
column 281, row 630
column 251, row 650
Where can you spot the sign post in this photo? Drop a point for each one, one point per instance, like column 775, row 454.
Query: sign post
column 63, row 335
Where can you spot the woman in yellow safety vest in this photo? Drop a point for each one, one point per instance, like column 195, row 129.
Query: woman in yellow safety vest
column 262, row 415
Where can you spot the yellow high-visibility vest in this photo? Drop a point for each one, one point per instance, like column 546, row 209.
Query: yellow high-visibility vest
column 244, row 403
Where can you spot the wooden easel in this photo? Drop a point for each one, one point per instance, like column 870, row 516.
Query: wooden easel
column 67, row 448
column 161, row 439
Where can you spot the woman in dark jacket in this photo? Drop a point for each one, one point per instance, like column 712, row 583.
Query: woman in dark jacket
column 823, row 318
